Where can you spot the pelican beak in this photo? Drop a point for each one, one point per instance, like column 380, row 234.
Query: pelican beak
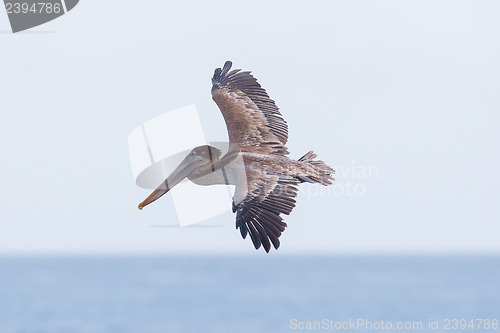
column 187, row 166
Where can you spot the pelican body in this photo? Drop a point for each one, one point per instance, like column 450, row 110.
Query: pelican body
column 266, row 179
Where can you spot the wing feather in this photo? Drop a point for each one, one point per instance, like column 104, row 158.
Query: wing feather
column 258, row 214
column 253, row 120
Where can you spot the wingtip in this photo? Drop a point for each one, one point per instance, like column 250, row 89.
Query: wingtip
column 217, row 74
column 227, row 67
column 220, row 72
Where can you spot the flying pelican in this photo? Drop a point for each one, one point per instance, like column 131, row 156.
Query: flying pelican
column 266, row 180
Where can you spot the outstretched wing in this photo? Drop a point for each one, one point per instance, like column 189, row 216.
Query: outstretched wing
column 253, row 120
column 258, row 213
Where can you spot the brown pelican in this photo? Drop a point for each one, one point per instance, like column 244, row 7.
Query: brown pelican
column 266, row 180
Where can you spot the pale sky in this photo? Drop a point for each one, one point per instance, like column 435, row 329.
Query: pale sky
column 400, row 96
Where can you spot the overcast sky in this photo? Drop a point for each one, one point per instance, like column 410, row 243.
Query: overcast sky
column 402, row 97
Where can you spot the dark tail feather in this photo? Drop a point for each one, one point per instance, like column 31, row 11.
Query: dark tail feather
column 323, row 171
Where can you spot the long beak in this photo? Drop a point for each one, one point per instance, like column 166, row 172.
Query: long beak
column 187, row 166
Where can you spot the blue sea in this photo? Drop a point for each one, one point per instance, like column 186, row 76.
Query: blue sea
column 248, row 293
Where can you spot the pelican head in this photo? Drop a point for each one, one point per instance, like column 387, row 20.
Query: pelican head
column 199, row 161
column 207, row 156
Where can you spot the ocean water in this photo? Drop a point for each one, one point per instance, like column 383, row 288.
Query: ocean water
column 247, row 293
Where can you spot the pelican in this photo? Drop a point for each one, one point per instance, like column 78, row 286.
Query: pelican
column 266, row 179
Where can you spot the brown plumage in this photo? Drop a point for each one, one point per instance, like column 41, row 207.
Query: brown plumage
column 253, row 120
column 266, row 178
